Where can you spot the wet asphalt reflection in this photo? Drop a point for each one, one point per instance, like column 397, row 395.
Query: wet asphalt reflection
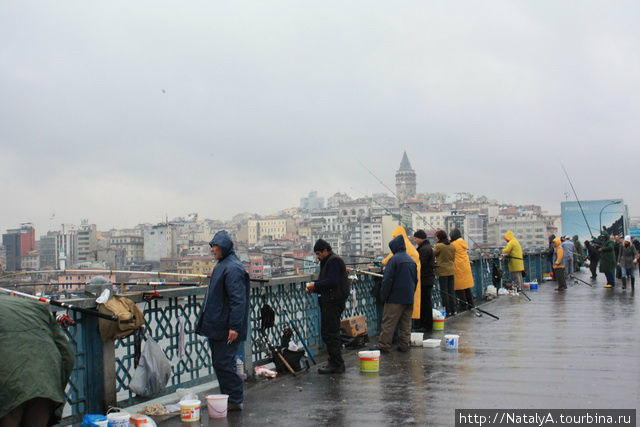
column 577, row 349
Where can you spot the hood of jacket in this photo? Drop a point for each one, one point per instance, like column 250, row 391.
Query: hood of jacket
column 223, row 240
column 397, row 245
column 556, row 242
column 508, row 235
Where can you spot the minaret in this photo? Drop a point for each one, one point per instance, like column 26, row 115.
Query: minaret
column 405, row 180
column 63, row 259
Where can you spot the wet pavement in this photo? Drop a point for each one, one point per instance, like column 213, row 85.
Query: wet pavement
column 577, row 349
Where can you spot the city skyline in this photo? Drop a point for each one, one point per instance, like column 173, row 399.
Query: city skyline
column 126, row 114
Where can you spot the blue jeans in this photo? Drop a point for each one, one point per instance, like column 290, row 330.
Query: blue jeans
column 628, row 272
column 224, row 364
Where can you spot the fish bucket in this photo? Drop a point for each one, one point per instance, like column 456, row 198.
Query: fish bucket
column 533, row 286
column 190, row 410
column 369, row 361
column 416, row 339
column 450, row 342
column 118, row 419
column 438, row 324
column 217, row 405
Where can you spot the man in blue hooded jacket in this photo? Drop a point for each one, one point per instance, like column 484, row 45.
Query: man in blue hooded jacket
column 397, row 292
column 225, row 316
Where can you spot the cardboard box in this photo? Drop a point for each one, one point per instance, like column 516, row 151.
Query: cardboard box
column 354, row 326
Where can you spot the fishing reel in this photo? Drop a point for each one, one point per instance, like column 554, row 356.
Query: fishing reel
column 64, row 320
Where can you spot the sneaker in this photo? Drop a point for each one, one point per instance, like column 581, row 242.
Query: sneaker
column 607, row 286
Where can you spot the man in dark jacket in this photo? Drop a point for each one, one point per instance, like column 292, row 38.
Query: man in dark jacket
column 607, row 259
column 397, row 291
column 594, row 257
column 333, row 289
column 225, row 316
column 427, row 278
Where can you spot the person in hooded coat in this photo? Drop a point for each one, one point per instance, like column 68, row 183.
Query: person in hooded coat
column 397, row 291
column 607, row 259
column 516, row 262
column 569, row 249
column 578, row 254
column 462, row 276
column 415, row 256
column 225, row 316
column 445, row 254
column 559, row 265
column 627, row 262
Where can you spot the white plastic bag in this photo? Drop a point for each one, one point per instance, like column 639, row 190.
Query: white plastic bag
column 153, row 372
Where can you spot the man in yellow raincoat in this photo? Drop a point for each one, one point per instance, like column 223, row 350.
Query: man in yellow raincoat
column 462, row 276
column 513, row 251
column 413, row 253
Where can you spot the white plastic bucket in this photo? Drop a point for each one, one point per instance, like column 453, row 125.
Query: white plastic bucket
column 118, row 419
column 217, row 405
column 416, row 339
column 369, row 361
column 431, row 343
column 190, row 410
column 450, row 342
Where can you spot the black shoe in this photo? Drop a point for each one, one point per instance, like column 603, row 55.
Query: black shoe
column 381, row 350
column 403, row 350
column 331, row 370
column 234, row 407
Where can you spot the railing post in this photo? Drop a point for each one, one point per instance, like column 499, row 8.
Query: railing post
column 97, row 359
column 248, row 354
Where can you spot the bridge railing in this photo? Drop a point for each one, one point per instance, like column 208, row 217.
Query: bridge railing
column 103, row 370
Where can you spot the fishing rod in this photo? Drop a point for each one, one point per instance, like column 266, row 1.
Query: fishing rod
column 61, row 304
column 578, row 200
column 148, row 273
column 470, row 308
column 580, row 280
column 425, row 220
column 23, row 285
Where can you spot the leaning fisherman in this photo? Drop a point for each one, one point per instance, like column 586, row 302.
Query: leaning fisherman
column 333, row 289
column 225, row 316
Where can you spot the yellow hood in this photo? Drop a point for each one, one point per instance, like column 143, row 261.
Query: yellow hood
column 556, row 242
column 508, row 235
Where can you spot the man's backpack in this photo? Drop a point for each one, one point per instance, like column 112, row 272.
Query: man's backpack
column 130, row 318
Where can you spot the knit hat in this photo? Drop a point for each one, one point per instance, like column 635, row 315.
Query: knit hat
column 321, row 245
column 420, row 234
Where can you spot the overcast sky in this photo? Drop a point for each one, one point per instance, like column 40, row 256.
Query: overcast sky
column 124, row 111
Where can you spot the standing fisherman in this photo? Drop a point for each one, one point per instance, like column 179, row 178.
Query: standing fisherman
column 462, row 276
column 569, row 249
column 607, row 259
column 594, row 257
column 559, row 265
column 225, row 316
column 513, row 250
column 397, row 292
column 427, row 278
column 333, row 289
column 627, row 261
column 445, row 255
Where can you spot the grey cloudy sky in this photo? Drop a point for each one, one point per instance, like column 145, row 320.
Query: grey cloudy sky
column 123, row 111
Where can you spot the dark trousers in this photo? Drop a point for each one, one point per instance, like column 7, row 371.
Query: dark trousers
column 224, row 364
column 330, row 313
column 447, row 294
column 593, row 266
column 465, row 299
column 611, row 278
column 426, row 304
column 560, row 278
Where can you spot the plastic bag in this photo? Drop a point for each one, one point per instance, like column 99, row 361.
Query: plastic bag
column 153, row 372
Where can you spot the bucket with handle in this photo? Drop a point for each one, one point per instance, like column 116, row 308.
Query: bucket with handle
column 369, row 361
column 118, row 419
column 217, row 405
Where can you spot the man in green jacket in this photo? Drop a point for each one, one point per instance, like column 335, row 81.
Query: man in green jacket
column 607, row 259
column 36, row 362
